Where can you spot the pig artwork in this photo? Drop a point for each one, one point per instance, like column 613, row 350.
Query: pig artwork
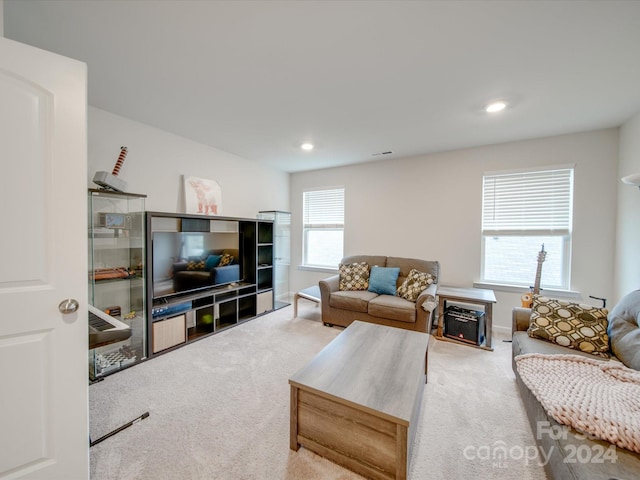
column 206, row 194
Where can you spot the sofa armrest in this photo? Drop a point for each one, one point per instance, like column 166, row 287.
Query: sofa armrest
column 179, row 266
column 520, row 319
column 328, row 285
column 427, row 298
column 427, row 301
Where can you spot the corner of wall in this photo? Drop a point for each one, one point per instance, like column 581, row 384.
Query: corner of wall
column 627, row 258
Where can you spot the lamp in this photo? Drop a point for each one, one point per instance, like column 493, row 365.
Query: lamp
column 633, row 179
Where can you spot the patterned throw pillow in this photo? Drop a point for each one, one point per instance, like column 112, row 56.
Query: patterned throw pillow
column 226, row 260
column 195, row 265
column 354, row 276
column 415, row 283
column 572, row 325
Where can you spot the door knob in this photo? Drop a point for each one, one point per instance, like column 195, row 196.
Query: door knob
column 69, row 305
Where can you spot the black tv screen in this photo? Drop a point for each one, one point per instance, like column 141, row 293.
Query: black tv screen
column 186, row 262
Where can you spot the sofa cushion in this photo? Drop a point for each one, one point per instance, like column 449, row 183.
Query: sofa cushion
column 393, row 308
column 414, row 284
column 624, row 330
column 227, row 274
column 354, row 276
column 523, row 344
column 370, row 259
column 407, row 264
column 354, row 300
column 188, row 279
column 573, row 325
column 382, row 280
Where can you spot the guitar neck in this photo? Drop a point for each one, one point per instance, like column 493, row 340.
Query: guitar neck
column 536, row 284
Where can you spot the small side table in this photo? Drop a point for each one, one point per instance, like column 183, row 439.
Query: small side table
column 311, row 293
column 475, row 296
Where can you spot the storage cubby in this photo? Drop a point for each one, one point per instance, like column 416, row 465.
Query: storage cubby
column 203, row 301
column 248, row 290
column 249, row 249
column 203, row 322
column 265, row 255
column 264, row 302
column 247, row 307
column 168, row 333
column 227, row 314
column 226, row 296
column 207, row 308
column 265, row 278
column 265, row 232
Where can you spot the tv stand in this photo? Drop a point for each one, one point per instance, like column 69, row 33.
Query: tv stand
column 180, row 318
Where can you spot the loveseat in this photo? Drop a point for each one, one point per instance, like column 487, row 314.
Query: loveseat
column 359, row 300
column 570, row 454
column 206, row 270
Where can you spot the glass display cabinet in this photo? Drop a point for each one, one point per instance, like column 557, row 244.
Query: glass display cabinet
column 117, row 335
column 282, row 254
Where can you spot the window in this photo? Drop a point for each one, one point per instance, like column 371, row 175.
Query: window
column 520, row 213
column 323, row 227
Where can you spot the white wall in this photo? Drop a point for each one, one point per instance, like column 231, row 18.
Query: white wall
column 429, row 207
column 628, row 225
column 1, row 18
column 156, row 161
column 425, row 207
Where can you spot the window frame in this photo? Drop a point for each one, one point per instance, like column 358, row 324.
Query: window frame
column 333, row 221
column 561, row 227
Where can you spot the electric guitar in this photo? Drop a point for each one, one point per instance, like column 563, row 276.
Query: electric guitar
column 527, row 298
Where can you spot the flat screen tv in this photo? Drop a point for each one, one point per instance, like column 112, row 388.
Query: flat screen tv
column 185, row 262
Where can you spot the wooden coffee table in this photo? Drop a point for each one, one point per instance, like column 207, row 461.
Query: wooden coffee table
column 357, row 403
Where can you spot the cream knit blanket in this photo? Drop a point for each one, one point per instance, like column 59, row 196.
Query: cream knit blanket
column 595, row 397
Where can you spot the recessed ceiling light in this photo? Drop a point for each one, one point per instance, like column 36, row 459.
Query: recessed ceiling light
column 495, row 107
column 307, row 146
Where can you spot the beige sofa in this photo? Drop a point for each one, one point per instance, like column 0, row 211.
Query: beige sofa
column 624, row 338
column 343, row 307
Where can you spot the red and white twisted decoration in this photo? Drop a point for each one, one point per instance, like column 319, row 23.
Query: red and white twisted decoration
column 120, row 161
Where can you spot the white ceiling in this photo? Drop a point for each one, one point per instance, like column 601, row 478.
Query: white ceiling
column 356, row 78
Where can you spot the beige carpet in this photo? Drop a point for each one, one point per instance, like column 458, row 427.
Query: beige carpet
column 219, row 409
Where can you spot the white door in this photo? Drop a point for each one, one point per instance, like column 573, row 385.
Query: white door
column 43, row 240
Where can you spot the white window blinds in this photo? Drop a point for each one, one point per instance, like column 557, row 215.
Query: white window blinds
column 324, row 208
column 323, row 227
column 528, row 203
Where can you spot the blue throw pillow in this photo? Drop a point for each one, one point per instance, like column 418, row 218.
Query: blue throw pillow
column 382, row 280
column 212, row 262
